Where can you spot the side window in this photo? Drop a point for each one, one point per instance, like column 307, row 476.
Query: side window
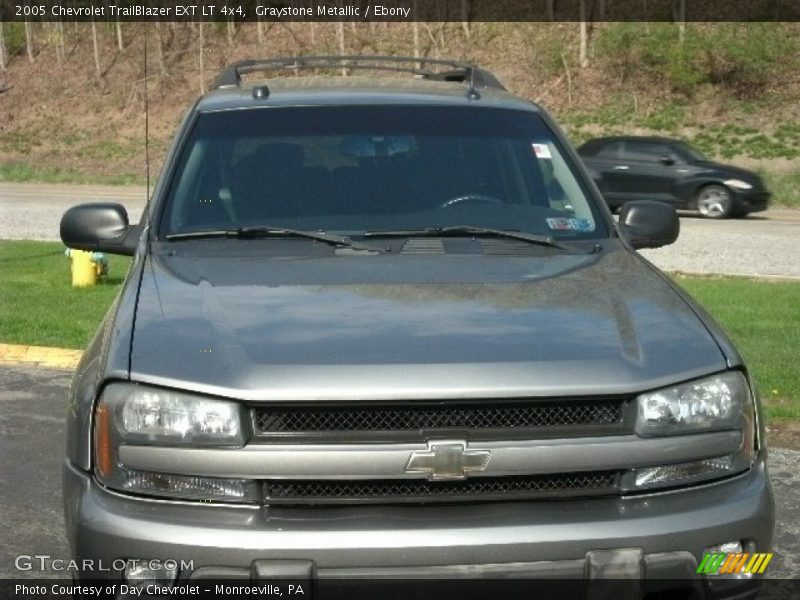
column 647, row 151
column 609, row 151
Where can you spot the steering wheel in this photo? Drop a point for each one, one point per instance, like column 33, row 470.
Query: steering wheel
column 481, row 198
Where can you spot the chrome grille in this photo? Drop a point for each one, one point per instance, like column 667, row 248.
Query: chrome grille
column 478, row 489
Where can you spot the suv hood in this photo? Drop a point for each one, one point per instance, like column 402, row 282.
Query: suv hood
column 393, row 327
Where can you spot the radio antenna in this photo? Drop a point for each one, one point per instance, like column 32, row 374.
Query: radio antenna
column 146, row 123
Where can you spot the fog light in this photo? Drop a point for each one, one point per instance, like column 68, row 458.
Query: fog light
column 695, row 471
column 187, row 486
column 670, row 474
column 733, row 560
column 727, row 548
column 141, row 573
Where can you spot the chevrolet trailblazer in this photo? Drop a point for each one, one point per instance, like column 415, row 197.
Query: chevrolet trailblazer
column 386, row 327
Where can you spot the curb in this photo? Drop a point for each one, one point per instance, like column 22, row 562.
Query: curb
column 41, row 356
column 751, row 276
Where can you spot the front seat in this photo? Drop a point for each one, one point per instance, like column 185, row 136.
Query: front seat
column 266, row 183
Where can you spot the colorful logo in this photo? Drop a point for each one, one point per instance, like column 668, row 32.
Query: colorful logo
column 727, row 563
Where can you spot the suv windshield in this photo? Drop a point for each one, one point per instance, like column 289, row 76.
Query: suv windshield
column 356, row 169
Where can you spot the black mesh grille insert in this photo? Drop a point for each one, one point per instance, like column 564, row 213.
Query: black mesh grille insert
column 488, row 415
column 478, row 489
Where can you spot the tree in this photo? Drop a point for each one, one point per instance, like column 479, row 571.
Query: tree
column 162, row 66
column 584, row 34
column 260, row 29
column 61, row 49
column 52, row 36
column 96, row 49
column 202, row 65
column 29, row 41
column 465, row 17
column 682, row 20
column 3, row 51
column 340, row 36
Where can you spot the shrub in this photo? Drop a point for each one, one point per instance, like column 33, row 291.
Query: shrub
column 745, row 58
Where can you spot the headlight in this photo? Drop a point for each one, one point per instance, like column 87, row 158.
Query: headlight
column 738, row 184
column 711, row 404
column 160, row 416
column 716, row 403
column 143, row 415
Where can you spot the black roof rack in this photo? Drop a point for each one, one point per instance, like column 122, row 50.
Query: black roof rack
column 459, row 71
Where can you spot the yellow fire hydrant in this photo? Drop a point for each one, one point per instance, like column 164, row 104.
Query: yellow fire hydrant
column 87, row 267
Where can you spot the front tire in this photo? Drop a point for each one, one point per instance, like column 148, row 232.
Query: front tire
column 714, row 202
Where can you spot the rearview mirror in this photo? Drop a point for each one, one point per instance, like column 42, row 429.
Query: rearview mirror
column 101, row 227
column 370, row 146
column 667, row 161
column 649, row 224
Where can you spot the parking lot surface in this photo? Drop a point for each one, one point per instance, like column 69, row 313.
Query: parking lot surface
column 32, row 404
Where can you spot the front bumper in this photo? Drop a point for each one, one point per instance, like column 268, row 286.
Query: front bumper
column 751, row 200
column 660, row 536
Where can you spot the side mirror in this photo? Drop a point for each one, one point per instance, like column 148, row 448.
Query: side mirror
column 667, row 161
column 649, row 224
column 101, row 227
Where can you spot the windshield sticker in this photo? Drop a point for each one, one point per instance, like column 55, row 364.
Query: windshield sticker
column 563, row 224
column 541, row 151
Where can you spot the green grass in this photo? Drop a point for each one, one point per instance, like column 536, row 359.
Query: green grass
column 763, row 318
column 22, row 172
column 785, row 187
column 39, row 306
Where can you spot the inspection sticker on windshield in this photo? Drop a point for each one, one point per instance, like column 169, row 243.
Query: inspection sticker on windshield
column 541, row 150
column 564, row 224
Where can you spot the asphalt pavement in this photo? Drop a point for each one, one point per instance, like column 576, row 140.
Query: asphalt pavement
column 32, row 211
column 763, row 244
column 32, row 405
column 32, row 416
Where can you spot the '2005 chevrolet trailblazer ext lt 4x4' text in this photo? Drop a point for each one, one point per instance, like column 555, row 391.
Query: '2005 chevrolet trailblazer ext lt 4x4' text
column 386, row 327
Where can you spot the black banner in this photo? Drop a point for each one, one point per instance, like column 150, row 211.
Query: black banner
column 383, row 589
column 398, row 10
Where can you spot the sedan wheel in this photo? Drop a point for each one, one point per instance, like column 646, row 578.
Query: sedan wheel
column 715, row 202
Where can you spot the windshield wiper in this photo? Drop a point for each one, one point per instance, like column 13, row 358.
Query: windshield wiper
column 267, row 231
column 456, row 230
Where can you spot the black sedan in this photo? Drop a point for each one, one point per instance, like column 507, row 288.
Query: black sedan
column 669, row 170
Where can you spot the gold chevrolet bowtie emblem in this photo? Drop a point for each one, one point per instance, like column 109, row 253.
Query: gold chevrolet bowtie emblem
column 447, row 460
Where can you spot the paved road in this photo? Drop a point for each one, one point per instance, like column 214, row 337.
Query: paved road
column 765, row 244
column 33, row 211
column 31, row 450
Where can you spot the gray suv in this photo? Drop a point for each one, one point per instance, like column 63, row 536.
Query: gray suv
column 386, row 327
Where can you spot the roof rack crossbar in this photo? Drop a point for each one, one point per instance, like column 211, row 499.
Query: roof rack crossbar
column 288, row 67
column 465, row 72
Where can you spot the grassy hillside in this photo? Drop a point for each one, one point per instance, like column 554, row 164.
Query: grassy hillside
column 731, row 88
